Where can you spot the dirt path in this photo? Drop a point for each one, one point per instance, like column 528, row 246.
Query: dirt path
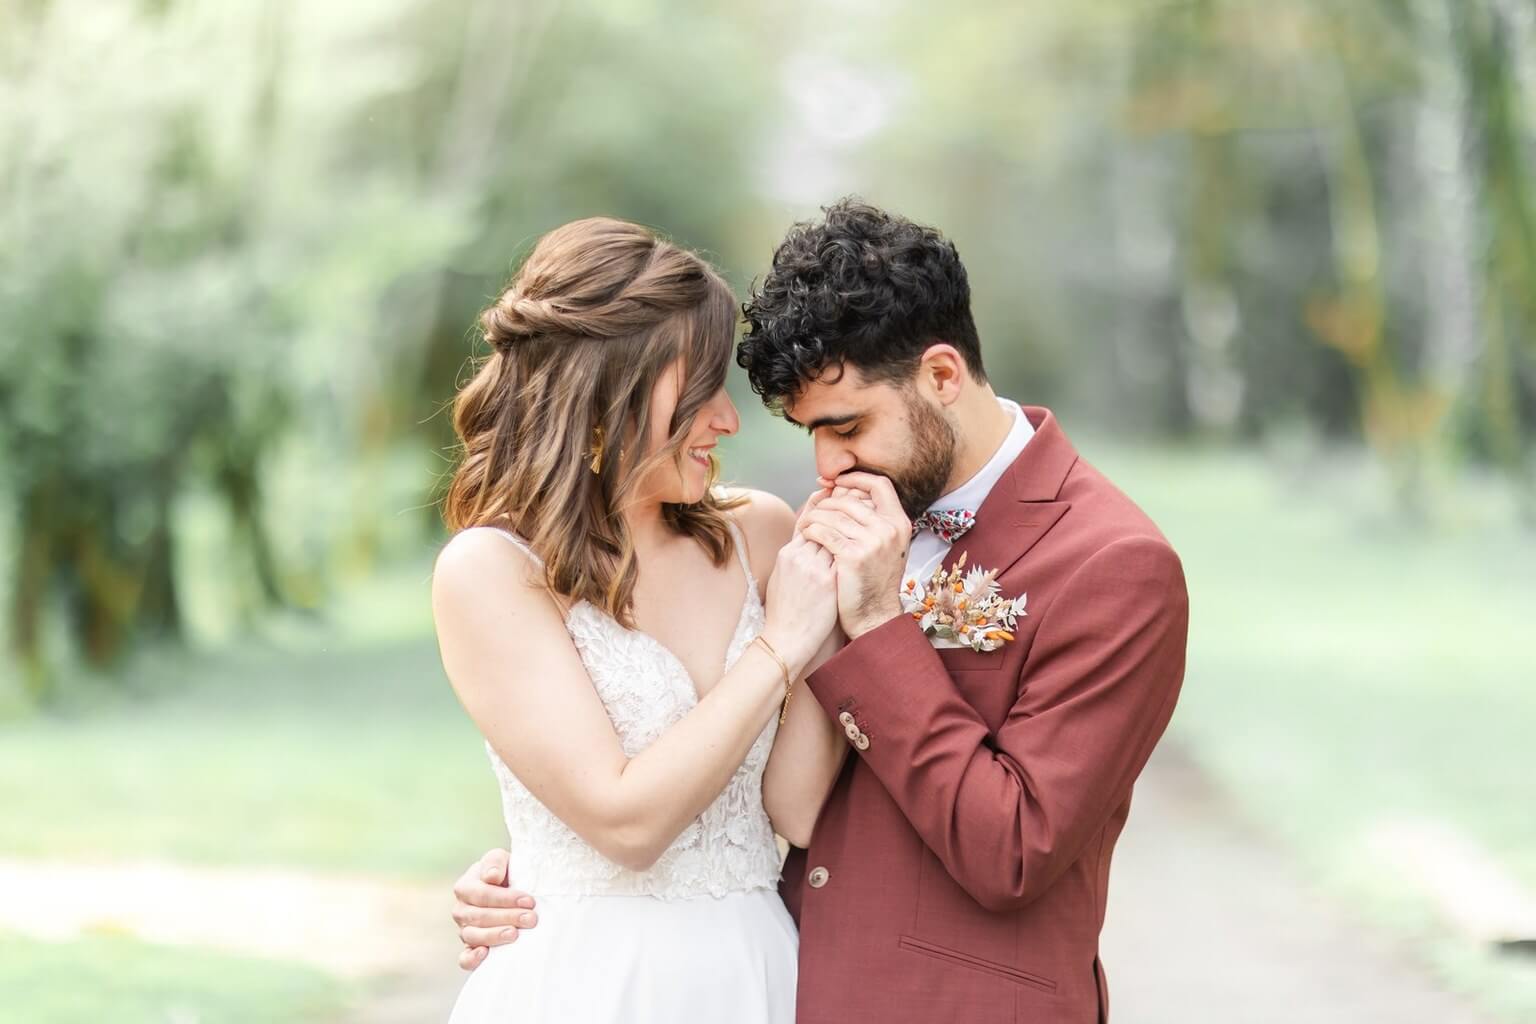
column 1208, row 923
column 351, row 927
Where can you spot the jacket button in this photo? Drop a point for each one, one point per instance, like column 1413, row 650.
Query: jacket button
column 818, row 877
column 845, row 719
column 861, row 741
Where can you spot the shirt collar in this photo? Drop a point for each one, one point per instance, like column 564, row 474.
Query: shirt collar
column 975, row 490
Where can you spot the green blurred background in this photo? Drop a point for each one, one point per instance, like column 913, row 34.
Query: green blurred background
column 1273, row 265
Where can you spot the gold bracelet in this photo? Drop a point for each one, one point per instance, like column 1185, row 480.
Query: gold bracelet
column 789, row 683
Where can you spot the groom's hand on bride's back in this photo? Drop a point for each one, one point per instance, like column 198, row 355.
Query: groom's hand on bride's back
column 488, row 911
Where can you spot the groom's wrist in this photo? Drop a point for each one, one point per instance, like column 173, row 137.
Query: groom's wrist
column 870, row 620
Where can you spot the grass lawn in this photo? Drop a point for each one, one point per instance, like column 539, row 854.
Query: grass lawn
column 112, row 978
column 335, row 750
column 346, row 761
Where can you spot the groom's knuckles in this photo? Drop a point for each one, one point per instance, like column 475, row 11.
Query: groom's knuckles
column 878, row 488
column 850, row 507
column 836, row 520
column 466, row 916
column 821, row 535
column 498, row 896
column 487, row 937
column 493, row 867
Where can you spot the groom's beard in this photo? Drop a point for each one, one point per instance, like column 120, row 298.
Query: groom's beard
column 921, row 480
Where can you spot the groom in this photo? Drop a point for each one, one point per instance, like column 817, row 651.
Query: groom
column 959, row 869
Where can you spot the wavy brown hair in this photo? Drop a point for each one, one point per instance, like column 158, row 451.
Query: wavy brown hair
column 589, row 322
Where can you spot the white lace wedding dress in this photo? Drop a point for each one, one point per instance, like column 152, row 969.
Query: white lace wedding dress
column 700, row 937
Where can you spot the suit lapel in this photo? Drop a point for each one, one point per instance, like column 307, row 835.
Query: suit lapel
column 1021, row 507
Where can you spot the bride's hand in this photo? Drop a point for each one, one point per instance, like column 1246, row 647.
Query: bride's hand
column 801, row 609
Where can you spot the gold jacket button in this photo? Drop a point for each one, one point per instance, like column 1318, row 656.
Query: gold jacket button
column 845, row 719
column 818, row 877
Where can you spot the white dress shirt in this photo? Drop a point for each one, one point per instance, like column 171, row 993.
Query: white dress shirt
column 928, row 548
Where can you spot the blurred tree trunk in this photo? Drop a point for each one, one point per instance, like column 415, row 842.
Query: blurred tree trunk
column 31, row 584
column 1450, row 231
column 1399, row 414
column 1484, row 36
column 1211, row 314
column 72, row 558
column 238, row 478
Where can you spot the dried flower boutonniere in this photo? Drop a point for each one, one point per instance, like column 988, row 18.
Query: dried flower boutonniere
column 963, row 609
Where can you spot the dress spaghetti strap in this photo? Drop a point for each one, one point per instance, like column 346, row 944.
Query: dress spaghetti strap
column 519, row 542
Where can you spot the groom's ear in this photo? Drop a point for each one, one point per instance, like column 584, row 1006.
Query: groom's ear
column 942, row 372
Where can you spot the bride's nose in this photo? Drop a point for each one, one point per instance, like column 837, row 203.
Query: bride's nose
column 724, row 418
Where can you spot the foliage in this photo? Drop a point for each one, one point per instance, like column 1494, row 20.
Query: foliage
column 112, row 977
column 242, row 240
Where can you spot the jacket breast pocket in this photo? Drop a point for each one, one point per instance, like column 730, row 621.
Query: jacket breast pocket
column 983, row 684
column 963, row 659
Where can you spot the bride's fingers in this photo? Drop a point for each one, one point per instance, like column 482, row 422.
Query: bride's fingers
column 806, row 548
column 826, row 537
column 822, row 555
column 469, row 959
column 815, row 499
column 839, row 491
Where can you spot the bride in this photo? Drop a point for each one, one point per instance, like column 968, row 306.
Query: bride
column 629, row 638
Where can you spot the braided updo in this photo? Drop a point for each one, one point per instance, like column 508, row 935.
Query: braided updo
column 589, row 322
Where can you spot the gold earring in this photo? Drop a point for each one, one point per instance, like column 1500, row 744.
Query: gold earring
column 596, row 451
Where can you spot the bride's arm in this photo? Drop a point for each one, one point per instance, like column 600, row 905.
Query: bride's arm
column 808, row 753
column 517, row 673
column 809, row 749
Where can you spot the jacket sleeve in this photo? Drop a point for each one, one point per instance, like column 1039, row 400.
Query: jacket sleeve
column 1007, row 813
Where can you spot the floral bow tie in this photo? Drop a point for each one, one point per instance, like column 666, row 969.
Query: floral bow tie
column 948, row 524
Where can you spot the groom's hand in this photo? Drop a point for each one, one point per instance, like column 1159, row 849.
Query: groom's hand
column 488, row 911
column 860, row 520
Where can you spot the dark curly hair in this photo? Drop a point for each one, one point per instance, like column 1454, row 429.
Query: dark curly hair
column 861, row 287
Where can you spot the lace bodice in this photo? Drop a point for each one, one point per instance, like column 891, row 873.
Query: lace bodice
column 646, row 689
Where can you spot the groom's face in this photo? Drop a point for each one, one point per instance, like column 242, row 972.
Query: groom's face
column 891, row 429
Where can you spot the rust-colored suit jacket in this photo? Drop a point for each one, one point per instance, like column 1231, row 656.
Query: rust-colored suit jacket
column 959, row 869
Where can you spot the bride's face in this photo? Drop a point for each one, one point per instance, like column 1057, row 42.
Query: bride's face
column 685, row 480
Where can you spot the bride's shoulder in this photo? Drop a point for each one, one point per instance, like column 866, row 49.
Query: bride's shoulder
column 767, row 522
column 482, row 557
column 760, row 511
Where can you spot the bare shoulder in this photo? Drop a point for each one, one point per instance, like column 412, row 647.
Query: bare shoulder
column 480, row 562
column 767, row 521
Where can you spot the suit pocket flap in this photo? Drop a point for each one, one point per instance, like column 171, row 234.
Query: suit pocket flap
column 954, row 956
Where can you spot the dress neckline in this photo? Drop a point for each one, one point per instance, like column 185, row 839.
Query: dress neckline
column 693, row 686
column 749, row 600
